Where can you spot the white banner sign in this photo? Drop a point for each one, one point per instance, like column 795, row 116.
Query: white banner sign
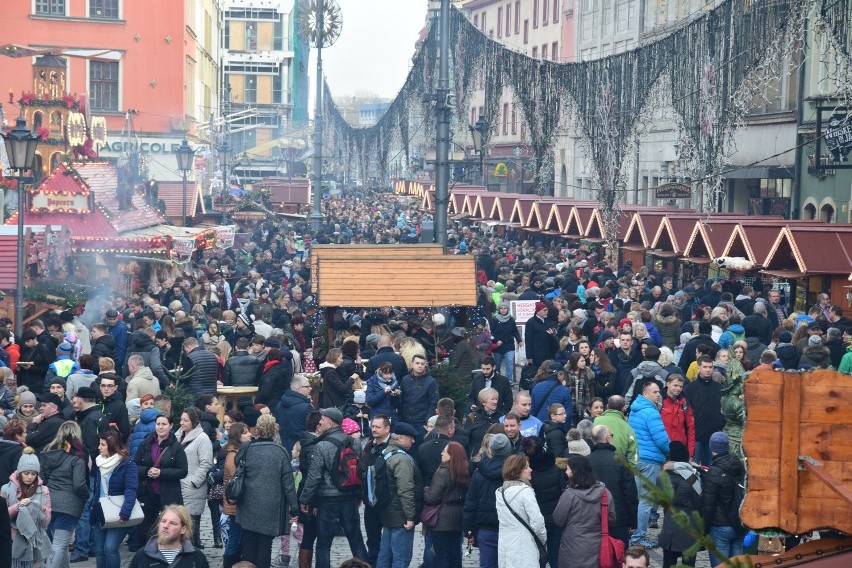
column 522, row 310
column 182, row 248
column 225, row 236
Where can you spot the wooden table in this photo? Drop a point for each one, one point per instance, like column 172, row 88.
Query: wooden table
column 232, row 394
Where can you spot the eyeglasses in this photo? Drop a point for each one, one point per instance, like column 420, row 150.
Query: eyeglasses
column 103, row 386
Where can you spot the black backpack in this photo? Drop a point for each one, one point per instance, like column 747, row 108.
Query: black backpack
column 734, row 509
column 377, row 489
column 346, row 471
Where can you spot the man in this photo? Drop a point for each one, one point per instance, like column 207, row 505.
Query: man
column 66, row 409
column 142, row 343
column 488, row 377
column 429, row 453
column 45, row 425
column 92, row 423
column 118, row 331
column 481, row 419
column 776, row 312
column 618, row 480
column 321, row 492
column 539, row 337
column 530, row 425
column 512, row 428
column 703, row 336
column 838, row 320
column 103, row 345
column 140, row 380
column 406, row 490
column 835, row 346
column 62, row 366
column 419, row 395
column 705, row 396
column 636, row 557
column 241, row 369
column 814, row 330
column 292, row 411
column 205, row 368
column 32, row 366
column 744, row 301
column 623, row 436
column 653, row 448
column 758, row 324
column 177, row 294
column 112, row 405
column 385, row 352
column 380, row 429
column 44, row 338
column 677, row 414
column 624, row 360
column 171, row 547
column 647, row 370
column 717, row 498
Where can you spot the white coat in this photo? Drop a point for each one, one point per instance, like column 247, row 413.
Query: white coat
column 516, row 547
column 199, row 460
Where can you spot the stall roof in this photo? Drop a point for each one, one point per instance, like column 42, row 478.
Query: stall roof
column 708, row 239
column 673, row 235
column 171, row 192
column 93, row 224
column 102, row 179
column 484, row 206
column 754, row 238
column 286, row 191
column 812, row 250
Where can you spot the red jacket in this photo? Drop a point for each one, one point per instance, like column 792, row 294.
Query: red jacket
column 679, row 421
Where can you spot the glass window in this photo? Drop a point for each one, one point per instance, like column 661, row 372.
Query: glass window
column 544, row 51
column 250, row 89
column 535, row 13
column 226, row 41
column 514, row 119
column 505, row 118
column 554, row 51
column 526, row 31
column 251, row 36
column 278, row 36
column 545, row 13
column 555, row 11
column 500, row 21
column 50, row 7
column 508, row 20
column 107, row 9
column 517, row 17
column 535, row 52
column 103, row 85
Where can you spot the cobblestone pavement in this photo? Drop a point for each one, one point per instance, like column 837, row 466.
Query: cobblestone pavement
column 340, row 551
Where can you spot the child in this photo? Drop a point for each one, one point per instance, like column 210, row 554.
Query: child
column 358, row 411
column 29, row 511
column 700, row 351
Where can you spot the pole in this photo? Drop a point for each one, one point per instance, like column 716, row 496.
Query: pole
column 482, row 167
column 19, row 289
column 316, row 214
column 225, row 186
column 442, row 141
column 183, row 209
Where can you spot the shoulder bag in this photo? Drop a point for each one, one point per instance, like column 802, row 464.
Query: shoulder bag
column 429, row 515
column 111, row 507
column 542, row 549
column 612, row 549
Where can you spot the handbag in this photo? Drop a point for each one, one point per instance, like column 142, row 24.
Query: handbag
column 111, row 507
column 429, row 515
column 542, row 549
column 612, row 549
column 236, row 485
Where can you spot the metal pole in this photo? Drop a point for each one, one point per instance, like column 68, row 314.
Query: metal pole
column 225, row 186
column 183, row 210
column 316, row 214
column 19, row 290
column 482, row 167
column 442, row 141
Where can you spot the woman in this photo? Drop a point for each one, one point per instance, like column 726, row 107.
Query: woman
column 515, row 499
column 115, row 475
column 276, row 377
column 13, row 443
column 212, row 337
column 269, row 505
column 738, row 352
column 238, row 434
column 29, row 505
column 686, row 487
column 480, row 512
column 506, row 335
column 596, row 408
column 352, row 364
column 548, row 482
column 335, row 387
column 199, row 459
column 581, row 381
column 162, row 465
column 668, row 325
column 383, row 392
column 26, row 407
column 63, row 465
column 448, row 489
column 579, row 513
column 604, row 373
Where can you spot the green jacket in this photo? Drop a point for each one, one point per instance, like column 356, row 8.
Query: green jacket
column 406, row 489
column 846, row 362
column 623, row 436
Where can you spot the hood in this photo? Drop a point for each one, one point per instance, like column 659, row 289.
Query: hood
column 786, row 351
column 817, row 354
column 107, row 340
column 149, row 416
column 326, row 364
column 210, row 419
column 291, row 399
column 139, row 341
column 492, row 468
column 592, row 494
column 730, row 464
column 188, row 437
column 640, row 402
column 753, row 343
column 666, row 319
column 7, row 446
column 648, row 369
column 736, row 329
column 143, row 373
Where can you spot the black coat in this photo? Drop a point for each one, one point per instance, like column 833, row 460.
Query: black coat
column 705, row 397
column 540, row 345
column 104, row 346
column 115, row 413
column 480, row 505
column 688, row 355
column 429, row 456
column 756, row 325
column 686, row 499
column 291, row 413
column 91, row 423
column 548, row 482
column 173, row 467
column 40, row 435
column 32, row 376
column 241, row 369
column 498, row 382
column 274, row 383
column 624, row 365
column 717, row 490
column 10, row 453
column 620, row 482
column 554, row 436
column 477, row 425
column 386, row 354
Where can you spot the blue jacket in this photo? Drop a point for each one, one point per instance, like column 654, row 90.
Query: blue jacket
column 650, row 432
column 119, row 333
column 560, row 394
column 290, row 413
column 123, row 481
column 144, row 426
column 419, row 399
column 379, row 401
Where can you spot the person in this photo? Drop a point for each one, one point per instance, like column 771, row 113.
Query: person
column 482, row 417
column 488, row 377
column 548, row 482
column 205, row 369
column 44, row 426
column 31, row 367
column 112, row 405
column 277, row 372
column 199, row 459
column 464, row 357
column 322, row 493
column 686, row 487
column 268, row 505
column 518, row 509
column 539, row 337
column 703, row 337
column 103, row 346
column 116, row 328
column 11, row 446
column 241, row 368
column 292, row 411
column 380, row 430
column 383, row 392
column 718, row 508
column 617, row 478
column 28, row 501
column 448, row 489
column 623, row 436
column 705, row 396
column 480, row 522
column 335, row 387
column 505, row 333
column 548, row 390
column 653, row 444
column 115, row 474
column 62, row 366
column 529, row 425
column 579, row 513
column 405, row 487
column 162, row 465
column 385, row 354
column 636, row 557
column 64, row 467
column 430, row 451
column 553, row 430
column 238, row 434
column 419, row 395
column 82, row 378
column 141, row 380
column 677, row 414
column 91, row 421
column 171, row 546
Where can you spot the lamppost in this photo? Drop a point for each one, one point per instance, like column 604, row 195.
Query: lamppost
column 20, row 148
column 184, row 154
column 224, row 155
column 477, row 133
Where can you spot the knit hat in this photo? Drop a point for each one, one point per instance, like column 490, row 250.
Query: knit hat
column 245, row 319
column 57, row 381
column 500, row 445
column 685, row 337
column 814, row 341
column 360, row 397
column 26, row 397
column 785, row 337
column 606, row 335
column 65, row 348
column 719, row 443
column 579, row 447
column 540, row 306
column 349, row 426
column 28, row 461
column 678, row 452
column 679, row 295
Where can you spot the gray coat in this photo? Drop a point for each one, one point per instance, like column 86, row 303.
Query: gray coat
column 241, row 370
column 199, row 460
column 318, row 482
column 269, row 496
column 579, row 512
column 66, row 477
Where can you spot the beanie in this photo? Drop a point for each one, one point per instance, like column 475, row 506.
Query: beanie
column 65, row 348
column 349, row 426
column 814, row 341
column 719, row 443
column 26, row 397
column 500, row 445
column 28, row 461
column 579, row 447
column 359, row 397
column 785, row 337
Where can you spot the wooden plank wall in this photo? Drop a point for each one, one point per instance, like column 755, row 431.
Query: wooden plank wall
column 318, row 252
column 792, row 415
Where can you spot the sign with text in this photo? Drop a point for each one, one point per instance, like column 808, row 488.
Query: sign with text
column 56, row 203
column 673, row 191
column 522, row 310
column 225, row 236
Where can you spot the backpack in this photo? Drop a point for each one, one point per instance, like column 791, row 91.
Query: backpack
column 345, row 473
column 378, row 491
column 734, row 510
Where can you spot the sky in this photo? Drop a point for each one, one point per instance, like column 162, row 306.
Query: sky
column 374, row 50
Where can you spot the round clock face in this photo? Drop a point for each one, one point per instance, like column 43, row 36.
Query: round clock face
column 314, row 14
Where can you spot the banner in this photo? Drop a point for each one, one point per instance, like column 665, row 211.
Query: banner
column 225, row 236
column 522, row 310
column 182, row 248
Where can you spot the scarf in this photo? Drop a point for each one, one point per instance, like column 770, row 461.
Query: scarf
column 269, row 364
column 501, row 318
column 106, row 465
column 687, row 472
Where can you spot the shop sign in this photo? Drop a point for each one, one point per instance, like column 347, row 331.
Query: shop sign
column 182, row 248
column 673, row 191
column 225, row 236
column 522, row 310
column 147, row 146
column 838, row 136
column 501, row 170
column 56, row 203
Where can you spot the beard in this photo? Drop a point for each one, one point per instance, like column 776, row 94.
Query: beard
column 168, row 541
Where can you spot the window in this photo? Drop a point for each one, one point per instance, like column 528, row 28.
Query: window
column 505, row 118
column 535, row 13
column 514, row 119
column 226, row 37
column 517, row 17
column 555, row 11
column 250, row 89
column 544, row 51
column 535, row 52
column 472, row 115
column 107, row 9
column 508, row 20
column 526, row 31
column 483, row 20
column 103, row 85
column 278, row 35
column 251, row 36
column 481, row 112
column 554, row 51
column 545, row 12
column 50, row 7
column 476, row 20
column 500, row 21
column 607, row 18
column 624, row 10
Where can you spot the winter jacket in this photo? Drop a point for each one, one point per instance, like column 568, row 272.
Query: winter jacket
column 82, row 378
column 32, row 376
column 733, row 333
column 653, row 334
column 754, row 349
column 579, row 512
column 480, row 509
column 429, row 455
column 718, row 490
column 478, row 422
column 442, row 491
column 269, row 498
column 10, row 453
column 669, row 330
column 540, row 345
column 406, row 488
column 507, row 332
column 275, row 381
column 548, row 481
column 115, row 414
column 689, row 350
column 141, row 344
column 759, row 326
column 199, row 460
column 381, row 402
column 560, row 394
column 63, row 367
column 241, row 370
column 335, row 388
column 386, row 354
column 516, row 545
column 419, row 399
column 173, row 468
column 651, row 434
column 205, row 372
column 499, row 382
column 464, row 358
column 817, row 357
column 228, row 470
column 624, row 364
column 319, row 485
column 30, row 544
column 836, row 350
column 290, row 413
column 686, row 499
column 66, row 475
column 150, row 557
column 104, row 346
column 40, row 435
column 91, row 423
column 554, row 437
column 788, row 355
column 623, row 436
column 679, row 421
column 119, row 333
column 621, row 483
column 705, row 398
column 142, row 382
column 124, row 480
column 645, row 371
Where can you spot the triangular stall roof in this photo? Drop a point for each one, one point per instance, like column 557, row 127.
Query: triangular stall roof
column 428, row 202
column 171, row 192
column 521, row 209
column 483, row 207
column 753, row 239
column 539, row 215
column 800, row 251
column 558, row 218
column 503, row 206
column 708, row 239
column 634, row 236
column 672, row 236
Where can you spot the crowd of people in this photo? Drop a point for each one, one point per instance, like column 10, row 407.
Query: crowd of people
column 617, row 374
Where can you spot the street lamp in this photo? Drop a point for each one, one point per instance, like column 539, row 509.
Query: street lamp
column 20, row 148
column 184, row 154
column 224, row 155
column 477, row 133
